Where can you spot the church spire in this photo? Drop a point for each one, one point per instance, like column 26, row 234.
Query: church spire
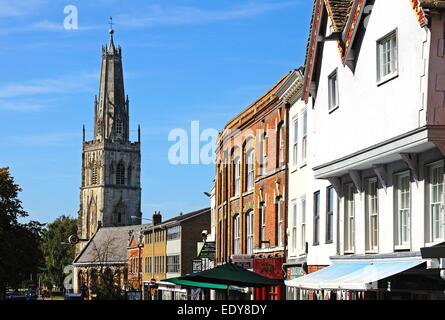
column 111, row 47
column 112, row 119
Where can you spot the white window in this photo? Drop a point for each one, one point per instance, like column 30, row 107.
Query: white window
column 304, row 147
column 294, row 225
column 303, row 225
column 250, row 169
column 262, row 225
column 387, row 56
column 403, row 217
column 173, row 264
column 349, row 218
column 372, row 215
column 280, row 144
column 317, row 218
column 333, row 90
column 236, row 165
column 330, row 215
column 263, row 151
column 436, row 210
column 236, row 235
column 280, row 221
column 295, row 142
column 249, row 233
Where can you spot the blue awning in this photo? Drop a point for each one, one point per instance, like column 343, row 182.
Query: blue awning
column 360, row 274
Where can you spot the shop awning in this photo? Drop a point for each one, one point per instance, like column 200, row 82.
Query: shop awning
column 230, row 275
column 187, row 283
column 360, row 274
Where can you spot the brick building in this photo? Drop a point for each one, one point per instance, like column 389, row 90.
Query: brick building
column 251, row 173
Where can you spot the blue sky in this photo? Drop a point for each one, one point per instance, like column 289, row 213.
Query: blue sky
column 189, row 60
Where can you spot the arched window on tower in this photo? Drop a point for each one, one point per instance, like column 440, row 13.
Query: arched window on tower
column 120, row 174
column 119, row 126
column 93, row 173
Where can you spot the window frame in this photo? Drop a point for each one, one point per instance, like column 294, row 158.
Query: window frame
column 304, row 138
column 236, row 238
column 280, row 221
column 250, row 181
column 294, row 225
column 333, row 92
column 400, row 242
column 249, row 231
column 262, row 211
column 295, row 129
column 435, row 165
column 369, row 230
column 316, row 217
column 303, row 225
column 381, row 79
column 330, row 215
column 349, row 218
column 236, row 176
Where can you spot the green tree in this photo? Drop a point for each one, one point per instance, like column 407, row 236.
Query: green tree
column 20, row 255
column 56, row 251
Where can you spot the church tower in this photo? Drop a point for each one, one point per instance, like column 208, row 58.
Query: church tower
column 110, row 192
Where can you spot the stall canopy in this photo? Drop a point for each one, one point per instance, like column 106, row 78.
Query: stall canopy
column 360, row 275
column 187, row 283
column 229, row 275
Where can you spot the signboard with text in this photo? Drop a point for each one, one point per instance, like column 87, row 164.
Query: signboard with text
column 196, row 265
column 269, row 267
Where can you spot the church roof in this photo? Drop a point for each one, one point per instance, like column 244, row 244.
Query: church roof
column 108, row 246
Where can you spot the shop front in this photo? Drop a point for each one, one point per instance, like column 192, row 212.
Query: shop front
column 294, row 269
column 271, row 268
column 370, row 279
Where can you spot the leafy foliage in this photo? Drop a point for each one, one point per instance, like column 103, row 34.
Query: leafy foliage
column 57, row 252
column 20, row 255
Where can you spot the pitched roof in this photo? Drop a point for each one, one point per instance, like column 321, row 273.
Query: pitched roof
column 432, row 4
column 183, row 217
column 339, row 11
column 108, row 245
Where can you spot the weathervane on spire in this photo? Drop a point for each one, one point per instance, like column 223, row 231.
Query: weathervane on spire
column 111, row 26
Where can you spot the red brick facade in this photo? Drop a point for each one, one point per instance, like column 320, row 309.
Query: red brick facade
column 262, row 127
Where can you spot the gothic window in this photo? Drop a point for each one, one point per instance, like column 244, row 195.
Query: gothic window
column 120, row 174
column 119, row 217
column 119, row 126
column 93, row 173
column 129, row 175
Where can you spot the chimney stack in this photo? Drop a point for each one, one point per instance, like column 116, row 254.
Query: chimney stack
column 157, row 218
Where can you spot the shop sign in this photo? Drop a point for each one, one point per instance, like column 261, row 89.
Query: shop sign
column 196, row 265
column 269, row 267
column 244, row 261
column 294, row 272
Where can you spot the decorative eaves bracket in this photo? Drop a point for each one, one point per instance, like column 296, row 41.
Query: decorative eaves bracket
column 411, row 160
column 357, row 179
column 336, row 183
column 380, row 171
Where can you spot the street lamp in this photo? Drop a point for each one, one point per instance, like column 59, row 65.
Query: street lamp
column 152, row 245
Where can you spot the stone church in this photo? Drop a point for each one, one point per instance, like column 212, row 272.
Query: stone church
column 110, row 192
